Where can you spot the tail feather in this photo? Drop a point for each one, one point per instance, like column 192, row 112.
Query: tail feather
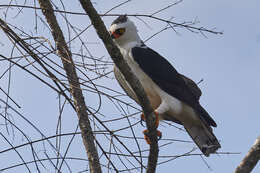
column 205, row 116
column 204, row 138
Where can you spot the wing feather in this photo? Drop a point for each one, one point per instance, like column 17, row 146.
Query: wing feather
column 169, row 80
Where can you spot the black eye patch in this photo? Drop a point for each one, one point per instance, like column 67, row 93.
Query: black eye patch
column 120, row 31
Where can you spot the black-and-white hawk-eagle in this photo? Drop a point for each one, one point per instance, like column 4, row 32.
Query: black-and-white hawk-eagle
column 173, row 96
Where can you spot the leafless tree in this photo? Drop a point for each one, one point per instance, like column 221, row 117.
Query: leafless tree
column 48, row 40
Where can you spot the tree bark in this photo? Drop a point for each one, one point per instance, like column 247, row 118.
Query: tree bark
column 75, row 90
column 251, row 159
column 130, row 77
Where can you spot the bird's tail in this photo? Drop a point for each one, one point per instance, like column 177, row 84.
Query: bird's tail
column 204, row 138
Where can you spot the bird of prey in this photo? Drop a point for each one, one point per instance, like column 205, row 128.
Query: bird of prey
column 173, row 96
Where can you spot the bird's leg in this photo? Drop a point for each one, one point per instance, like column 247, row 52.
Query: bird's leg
column 156, row 118
column 142, row 119
column 145, row 132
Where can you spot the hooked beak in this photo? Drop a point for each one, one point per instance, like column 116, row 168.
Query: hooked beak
column 114, row 35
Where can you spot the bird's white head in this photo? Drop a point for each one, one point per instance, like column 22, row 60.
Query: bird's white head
column 123, row 31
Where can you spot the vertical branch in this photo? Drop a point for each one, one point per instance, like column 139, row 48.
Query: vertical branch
column 75, row 90
column 251, row 159
column 130, row 77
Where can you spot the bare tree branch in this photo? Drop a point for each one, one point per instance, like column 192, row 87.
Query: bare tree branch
column 66, row 57
column 152, row 16
column 130, row 77
column 251, row 159
column 113, row 116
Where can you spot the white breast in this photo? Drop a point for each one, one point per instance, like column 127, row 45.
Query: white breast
column 160, row 100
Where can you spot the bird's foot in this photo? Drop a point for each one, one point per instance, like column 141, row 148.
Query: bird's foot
column 145, row 132
column 147, row 139
column 156, row 118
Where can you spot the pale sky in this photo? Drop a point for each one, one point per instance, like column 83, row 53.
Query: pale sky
column 228, row 63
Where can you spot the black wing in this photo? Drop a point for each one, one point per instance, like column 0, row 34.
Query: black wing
column 168, row 79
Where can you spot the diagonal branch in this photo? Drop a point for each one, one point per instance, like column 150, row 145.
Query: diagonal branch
column 130, row 77
column 251, row 159
column 75, row 90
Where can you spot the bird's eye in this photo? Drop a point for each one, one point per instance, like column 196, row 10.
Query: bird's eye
column 120, row 31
